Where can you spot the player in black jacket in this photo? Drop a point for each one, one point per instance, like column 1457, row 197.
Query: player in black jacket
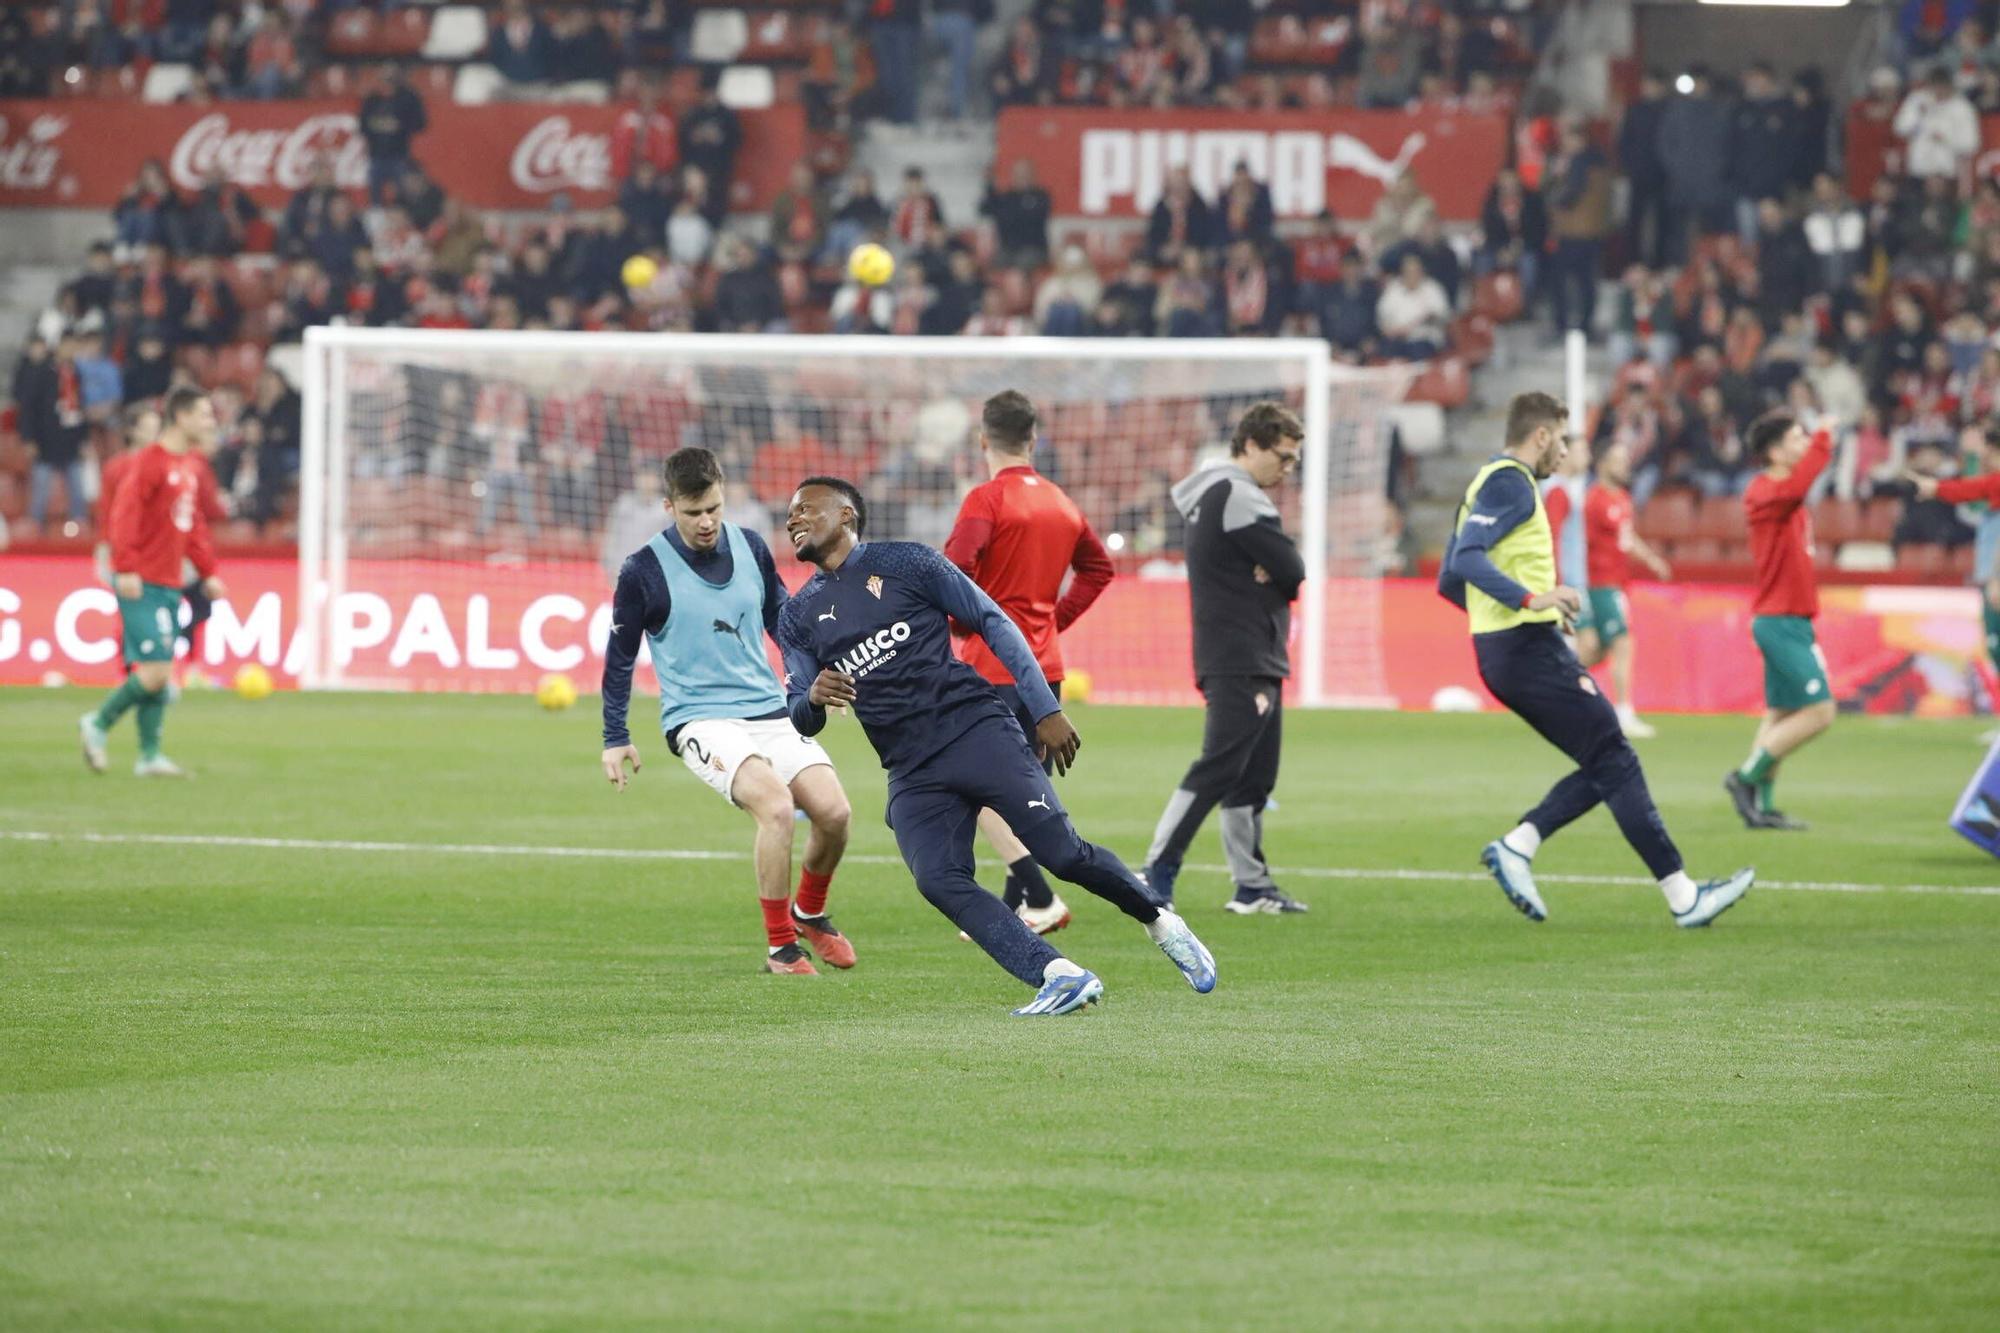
column 1243, row 573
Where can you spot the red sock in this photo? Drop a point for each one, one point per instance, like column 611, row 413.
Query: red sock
column 778, row 928
column 812, row 893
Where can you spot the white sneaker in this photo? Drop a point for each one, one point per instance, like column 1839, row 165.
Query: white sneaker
column 93, row 743
column 1045, row 920
column 1635, row 727
column 159, row 766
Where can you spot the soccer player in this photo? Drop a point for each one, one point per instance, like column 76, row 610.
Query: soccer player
column 871, row 630
column 1610, row 546
column 1981, row 489
column 1798, row 695
column 156, row 522
column 702, row 595
column 1243, row 572
column 1017, row 536
column 1500, row 566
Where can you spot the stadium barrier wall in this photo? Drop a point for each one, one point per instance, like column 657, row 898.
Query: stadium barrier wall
column 467, row 627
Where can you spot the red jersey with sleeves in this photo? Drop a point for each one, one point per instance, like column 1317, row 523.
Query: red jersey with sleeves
column 157, row 517
column 1781, row 535
column 1017, row 536
column 1965, row 490
column 1555, row 504
column 108, row 477
column 1607, row 535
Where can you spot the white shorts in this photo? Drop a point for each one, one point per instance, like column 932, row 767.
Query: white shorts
column 713, row 749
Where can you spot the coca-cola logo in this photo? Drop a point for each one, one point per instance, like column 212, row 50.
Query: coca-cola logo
column 28, row 161
column 553, row 156
column 282, row 157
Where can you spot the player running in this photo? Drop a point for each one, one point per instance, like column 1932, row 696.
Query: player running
column 1981, row 489
column 1500, row 566
column 872, row 630
column 1610, row 546
column 156, row 523
column 702, row 595
column 1017, row 536
column 1798, row 695
column 1243, row 572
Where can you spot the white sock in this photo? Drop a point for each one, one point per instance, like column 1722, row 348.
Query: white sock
column 1157, row 928
column 1060, row 967
column 1680, row 891
column 1626, row 710
column 1524, row 840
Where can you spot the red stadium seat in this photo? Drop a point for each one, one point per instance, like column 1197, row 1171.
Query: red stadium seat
column 1922, row 558
column 1667, row 517
column 1723, row 518
column 780, row 39
column 1960, row 562
column 1878, row 518
column 1472, row 338
column 1445, row 382
column 1498, row 297
column 1836, row 522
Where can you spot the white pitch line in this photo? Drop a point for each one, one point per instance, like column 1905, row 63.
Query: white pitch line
column 703, row 854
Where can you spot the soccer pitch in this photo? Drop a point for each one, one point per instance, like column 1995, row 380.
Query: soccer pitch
column 452, row 1079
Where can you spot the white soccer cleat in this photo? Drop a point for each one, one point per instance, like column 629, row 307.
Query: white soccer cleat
column 159, row 766
column 1189, row 954
column 1713, row 897
column 1635, row 727
column 1063, row 995
column 94, row 739
column 1513, row 872
column 1045, row 920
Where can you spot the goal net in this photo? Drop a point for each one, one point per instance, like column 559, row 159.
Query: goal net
column 467, row 498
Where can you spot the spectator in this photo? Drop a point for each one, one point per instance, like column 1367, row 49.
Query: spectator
column 156, row 295
column 149, row 369
column 710, row 138
column 858, row 309
column 919, row 217
column 799, row 216
column 947, row 305
column 1927, row 26
column 420, row 197
column 1694, row 150
column 1930, row 522
column 67, row 316
column 689, row 233
column 389, row 118
column 894, row 30
column 840, row 77
column 500, row 423
column 1245, row 212
column 1391, row 60
column 1180, row 221
column 1928, row 239
column 1812, row 124
column 148, row 209
column 520, row 47
column 955, row 27
column 1836, row 234
column 1020, row 217
column 1347, row 311
column 94, row 286
column 308, row 209
column 1411, row 313
column 533, row 283
column 218, row 58
column 1580, row 218
column 1068, row 297
column 1785, row 268
column 1763, row 147
column 271, row 60
column 861, row 214
column 747, row 299
column 1648, row 218
column 338, row 236
column 1134, row 298
column 216, row 221
column 457, row 240
column 102, row 383
column 1397, row 215
column 1440, row 260
column 1836, row 384
column 994, row 320
column 580, row 50
column 1645, row 320
column 1188, row 300
column 1024, row 73
column 306, row 299
column 50, row 399
column 1247, row 299
column 1513, row 231
column 644, row 132
column 1316, row 259
column 373, row 297
column 1141, row 67
column 1712, row 449
column 1939, row 128
column 211, row 313
column 1191, row 62
column 646, row 200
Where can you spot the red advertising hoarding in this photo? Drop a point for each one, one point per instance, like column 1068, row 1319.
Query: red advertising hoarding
column 1101, row 163
column 84, row 153
column 464, row 627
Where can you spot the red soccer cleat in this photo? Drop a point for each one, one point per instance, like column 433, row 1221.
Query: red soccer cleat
column 834, row 949
column 790, row 961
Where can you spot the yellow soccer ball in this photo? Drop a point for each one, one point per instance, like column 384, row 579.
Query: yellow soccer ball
column 555, row 692
column 639, row 271
column 871, row 265
column 253, row 682
column 1076, row 687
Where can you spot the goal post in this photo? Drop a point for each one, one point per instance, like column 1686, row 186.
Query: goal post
column 465, row 496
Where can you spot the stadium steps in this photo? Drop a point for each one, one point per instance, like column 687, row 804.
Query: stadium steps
column 25, row 291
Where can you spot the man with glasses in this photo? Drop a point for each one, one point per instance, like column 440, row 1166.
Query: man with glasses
column 1243, row 572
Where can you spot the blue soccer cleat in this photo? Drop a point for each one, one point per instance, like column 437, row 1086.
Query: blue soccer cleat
column 1713, row 897
column 1189, row 954
column 1063, row 995
column 1516, row 878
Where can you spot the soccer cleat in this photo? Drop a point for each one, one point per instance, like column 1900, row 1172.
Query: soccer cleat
column 1160, row 883
column 159, row 766
column 1713, row 897
column 1063, row 995
column 1635, row 727
column 1515, row 875
column 1264, row 902
column 1778, row 819
column 94, row 739
column 1745, row 798
column 790, row 961
column 834, row 949
column 1189, row 954
column 1045, row 920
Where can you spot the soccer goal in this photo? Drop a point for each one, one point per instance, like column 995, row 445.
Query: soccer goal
column 466, row 497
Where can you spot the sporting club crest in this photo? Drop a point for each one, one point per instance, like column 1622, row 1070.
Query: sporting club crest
column 874, row 586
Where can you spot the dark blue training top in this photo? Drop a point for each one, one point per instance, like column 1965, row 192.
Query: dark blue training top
column 884, row 617
column 641, row 604
column 1504, row 503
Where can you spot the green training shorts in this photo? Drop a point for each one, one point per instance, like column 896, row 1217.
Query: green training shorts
column 152, row 623
column 1795, row 673
column 1608, row 614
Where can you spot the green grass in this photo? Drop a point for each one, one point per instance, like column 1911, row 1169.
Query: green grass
column 272, row 1088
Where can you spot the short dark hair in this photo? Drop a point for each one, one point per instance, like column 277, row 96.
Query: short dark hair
column 1766, row 431
column 1264, row 425
column 1530, row 411
column 849, row 491
column 179, row 399
column 1009, row 421
column 691, row 472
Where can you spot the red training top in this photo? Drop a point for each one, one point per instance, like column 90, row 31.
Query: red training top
column 158, row 519
column 1607, row 533
column 1781, row 535
column 1017, row 536
column 1964, row 490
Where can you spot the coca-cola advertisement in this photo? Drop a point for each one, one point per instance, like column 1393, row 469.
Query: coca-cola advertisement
column 83, row 154
column 1097, row 163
